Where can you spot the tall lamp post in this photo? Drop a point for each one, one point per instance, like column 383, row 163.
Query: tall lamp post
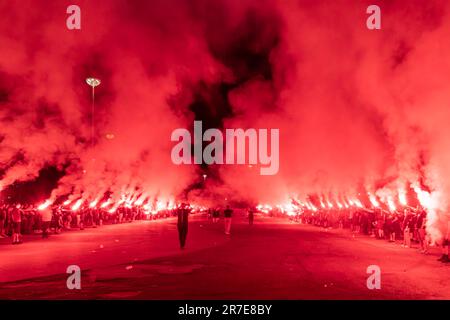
column 93, row 82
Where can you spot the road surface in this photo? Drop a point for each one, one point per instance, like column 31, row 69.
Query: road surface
column 273, row 259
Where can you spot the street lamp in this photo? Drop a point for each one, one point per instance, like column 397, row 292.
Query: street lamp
column 93, row 82
column 110, row 136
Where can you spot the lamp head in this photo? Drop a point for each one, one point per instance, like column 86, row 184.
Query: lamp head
column 93, row 82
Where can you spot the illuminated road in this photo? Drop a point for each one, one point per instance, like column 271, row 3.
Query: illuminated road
column 274, row 259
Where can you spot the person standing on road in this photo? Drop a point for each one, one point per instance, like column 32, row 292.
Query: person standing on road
column 57, row 219
column 80, row 217
column 16, row 217
column 251, row 216
column 210, row 213
column 227, row 214
column 182, row 225
column 46, row 220
column 2, row 221
column 216, row 215
column 422, row 233
column 406, row 229
column 445, row 243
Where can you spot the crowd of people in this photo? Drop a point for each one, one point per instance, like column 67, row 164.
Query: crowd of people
column 407, row 226
column 17, row 220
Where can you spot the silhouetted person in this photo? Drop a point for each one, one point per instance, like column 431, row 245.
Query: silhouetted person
column 16, row 216
column 2, row 221
column 216, row 215
column 227, row 214
column 444, row 258
column 57, row 218
column 407, row 230
column 422, row 233
column 182, row 225
column 46, row 220
column 251, row 216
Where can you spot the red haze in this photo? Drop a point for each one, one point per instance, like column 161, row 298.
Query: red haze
column 355, row 107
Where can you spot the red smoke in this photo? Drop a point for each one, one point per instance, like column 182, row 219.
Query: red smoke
column 356, row 108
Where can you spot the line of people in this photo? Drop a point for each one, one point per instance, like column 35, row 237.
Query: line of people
column 408, row 225
column 17, row 220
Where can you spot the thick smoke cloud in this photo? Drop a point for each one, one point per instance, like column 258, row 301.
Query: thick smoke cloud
column 357, row 109
column 140, row 51
column 354, row 107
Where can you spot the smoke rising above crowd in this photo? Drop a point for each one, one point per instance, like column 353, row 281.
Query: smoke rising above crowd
column 360, row 112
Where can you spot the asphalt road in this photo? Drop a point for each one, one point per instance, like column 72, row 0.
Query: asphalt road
column 273, row 259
